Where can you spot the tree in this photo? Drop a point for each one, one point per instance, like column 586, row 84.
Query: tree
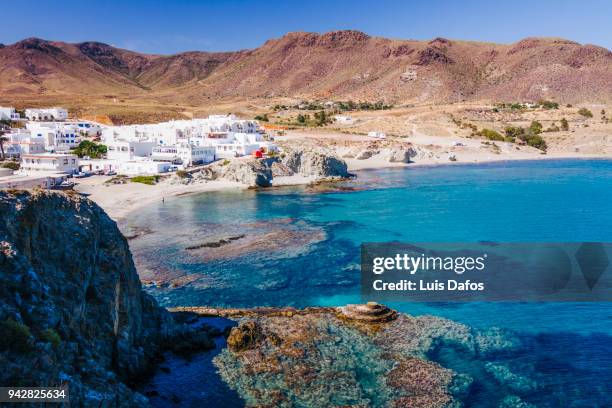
column 564, row 124
column 585, row 112
column 535, row 127
column 91, row 149
column 301, row 119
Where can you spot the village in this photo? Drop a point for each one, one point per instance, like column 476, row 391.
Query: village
column 45, row 148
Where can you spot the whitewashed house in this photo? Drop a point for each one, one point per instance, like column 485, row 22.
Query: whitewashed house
column 185, row 154
column 141, row 166
column 343, row 119
column 8, row 113
column 46, row 114
column 123, row 150
column 49, row 162
column 56, row 136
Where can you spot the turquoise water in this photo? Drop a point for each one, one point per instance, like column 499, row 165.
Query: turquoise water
column 303, row 249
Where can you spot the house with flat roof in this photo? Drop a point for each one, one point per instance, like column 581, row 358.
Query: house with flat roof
column 49, row 162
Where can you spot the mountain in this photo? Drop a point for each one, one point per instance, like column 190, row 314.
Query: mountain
column 338, row 65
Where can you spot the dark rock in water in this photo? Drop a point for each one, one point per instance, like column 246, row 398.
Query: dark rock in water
column 244, row 336
column 71, row 301
column 216, row 244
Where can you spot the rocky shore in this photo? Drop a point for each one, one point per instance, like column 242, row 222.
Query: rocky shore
column 356, row 355
column 72, row 310
column 310, row 165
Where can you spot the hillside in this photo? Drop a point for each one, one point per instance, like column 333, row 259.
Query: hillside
column 340, row 64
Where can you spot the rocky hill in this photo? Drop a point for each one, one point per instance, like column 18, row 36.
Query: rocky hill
column 72, row 310
column 339, row 64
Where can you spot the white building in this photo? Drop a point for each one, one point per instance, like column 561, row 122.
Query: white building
column 98, row 165
column 229, row 136
column 20, row 141
column 123, row 150
column 49, row 162
column 8, row 113
column 140, row 166
column 18, row 149
column 56, row 136
column 187, row 154
column 46, row 114
column 377, row 135
column 343, row 119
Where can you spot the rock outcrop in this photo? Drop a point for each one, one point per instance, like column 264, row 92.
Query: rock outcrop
column 402, row 154
column 261, row 172
column 72, row 310
column 252, row 172
column 315, row 163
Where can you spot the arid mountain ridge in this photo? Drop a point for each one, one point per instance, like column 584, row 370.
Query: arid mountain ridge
column 336, row 65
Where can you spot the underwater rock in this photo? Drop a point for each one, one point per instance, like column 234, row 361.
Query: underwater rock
column 357, row 355
column 516, row 383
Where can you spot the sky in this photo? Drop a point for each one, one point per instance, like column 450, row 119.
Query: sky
column 166, row 27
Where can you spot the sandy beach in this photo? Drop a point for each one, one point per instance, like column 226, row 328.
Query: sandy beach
column 118, row 200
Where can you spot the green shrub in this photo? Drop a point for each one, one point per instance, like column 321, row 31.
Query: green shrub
column 491, row 135
column 514, row 131
column 564, row 124
column 263, row 118
column 537, row 142
column 11, row 165
column 15, row 336
column 548, row 104
column 51, row 336
column 149, row 180
column 535, row 127
column 585, row 112
column 225, row 162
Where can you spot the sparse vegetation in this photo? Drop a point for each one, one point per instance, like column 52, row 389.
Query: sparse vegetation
column 564, row 124
column 182, row 174
column 262, row 118
column 529, row 136
column 491, row 135
column 13, row 165
column 585, row 112
column 149, row 180
column 535, row 127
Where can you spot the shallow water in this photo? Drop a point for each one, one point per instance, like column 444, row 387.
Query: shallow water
column 302, row 248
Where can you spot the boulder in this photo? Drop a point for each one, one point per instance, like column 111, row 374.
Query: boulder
column 402, row 154
column 366, row 154
column 315, row 163
column 253, row 173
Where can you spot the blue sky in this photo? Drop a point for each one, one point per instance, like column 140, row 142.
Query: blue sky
column 172, row 26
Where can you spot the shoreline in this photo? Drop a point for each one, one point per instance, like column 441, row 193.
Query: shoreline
column 119, row 200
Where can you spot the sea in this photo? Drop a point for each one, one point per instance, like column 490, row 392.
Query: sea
column 300, row 246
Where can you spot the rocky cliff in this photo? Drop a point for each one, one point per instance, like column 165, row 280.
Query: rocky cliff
column 72, row 310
